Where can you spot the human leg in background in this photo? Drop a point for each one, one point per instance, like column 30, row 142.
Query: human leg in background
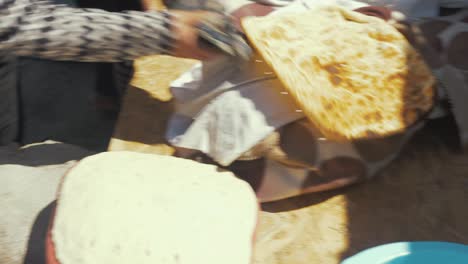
column 108, row 84
column 8, row 100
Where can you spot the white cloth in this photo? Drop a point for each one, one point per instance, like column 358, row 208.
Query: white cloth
column 222, row 116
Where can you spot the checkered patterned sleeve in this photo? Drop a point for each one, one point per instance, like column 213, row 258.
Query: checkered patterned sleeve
column 41, row 29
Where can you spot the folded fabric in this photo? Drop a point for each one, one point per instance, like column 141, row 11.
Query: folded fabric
column 453, row 74
column 223, row 112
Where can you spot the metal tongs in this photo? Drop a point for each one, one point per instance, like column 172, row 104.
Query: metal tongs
column 218, row 30
column 220, row 33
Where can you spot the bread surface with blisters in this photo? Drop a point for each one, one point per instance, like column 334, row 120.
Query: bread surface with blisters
column 353, row 75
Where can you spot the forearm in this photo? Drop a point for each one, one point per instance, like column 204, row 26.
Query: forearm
column 40, row 29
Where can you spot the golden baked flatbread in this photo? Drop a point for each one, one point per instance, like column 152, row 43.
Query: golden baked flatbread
column 353, row 75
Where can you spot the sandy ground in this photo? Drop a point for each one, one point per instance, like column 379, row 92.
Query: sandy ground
column 29, row 177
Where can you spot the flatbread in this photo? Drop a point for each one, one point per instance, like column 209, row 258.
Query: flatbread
column 353, row 75
column 124, row 207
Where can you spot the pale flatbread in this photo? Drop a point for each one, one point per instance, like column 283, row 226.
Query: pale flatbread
column 353, row 75
column 124, row 207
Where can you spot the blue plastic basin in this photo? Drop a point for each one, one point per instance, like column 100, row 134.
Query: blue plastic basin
column 412, row 253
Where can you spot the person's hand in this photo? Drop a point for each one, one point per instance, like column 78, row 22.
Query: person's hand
column 184, row 27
